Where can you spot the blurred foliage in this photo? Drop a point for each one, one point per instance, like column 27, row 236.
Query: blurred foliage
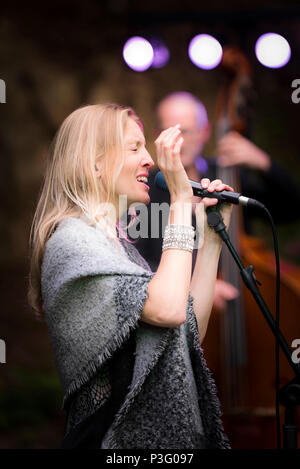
column 36, row 398
column 28, row 407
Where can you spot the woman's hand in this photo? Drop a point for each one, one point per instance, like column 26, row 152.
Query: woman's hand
column 206, row 233
column 168, row 146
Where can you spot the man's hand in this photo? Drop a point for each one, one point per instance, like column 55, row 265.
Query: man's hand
column 224, row 291
column 234, row 149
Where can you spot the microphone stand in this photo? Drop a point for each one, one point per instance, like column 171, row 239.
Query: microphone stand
column 289, row 395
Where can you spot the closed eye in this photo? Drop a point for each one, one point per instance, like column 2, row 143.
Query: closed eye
column 136, row 145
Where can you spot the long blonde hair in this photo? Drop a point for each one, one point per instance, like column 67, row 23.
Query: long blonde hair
column 91, row 134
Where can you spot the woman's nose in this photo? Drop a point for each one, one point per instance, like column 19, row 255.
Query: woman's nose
column 148, row 161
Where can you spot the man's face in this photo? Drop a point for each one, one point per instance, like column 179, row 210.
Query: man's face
column 183, row 112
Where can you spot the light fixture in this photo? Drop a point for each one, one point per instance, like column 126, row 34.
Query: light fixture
column 138, row 53
column 205, row 51
column 272, row 50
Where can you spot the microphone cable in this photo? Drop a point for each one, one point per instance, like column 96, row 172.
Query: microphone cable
column 277, row 317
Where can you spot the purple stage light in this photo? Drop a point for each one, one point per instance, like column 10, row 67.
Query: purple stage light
column 272, row 50
column 138, row 53
column 205, row 51
column 161, row 53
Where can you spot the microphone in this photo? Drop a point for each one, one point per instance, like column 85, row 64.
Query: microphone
column 222, row 196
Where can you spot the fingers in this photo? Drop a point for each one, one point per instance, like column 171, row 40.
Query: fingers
column 228, row 291
column 205, row 183
column 177, row 146
column 230, row 141
column 232, row 150
column 209, row 202
column 168, row 146
column 216, row 185
column 211, row 186
column 232, row 159
column 172, row 138
column 168, row 138
column 223, row 292
column 223, row 187
column 166, row 133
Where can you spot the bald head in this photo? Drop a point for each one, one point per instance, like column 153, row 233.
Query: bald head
column 183, row 106
column 185, row 109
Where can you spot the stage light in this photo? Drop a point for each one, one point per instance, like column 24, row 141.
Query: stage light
column 272, row 50
column 205, row 51
column 161, row 53
column 138, row 53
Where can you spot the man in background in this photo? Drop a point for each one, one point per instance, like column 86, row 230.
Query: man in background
column 260, row 177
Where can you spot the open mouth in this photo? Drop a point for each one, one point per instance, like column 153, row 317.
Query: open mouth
column 143, row 180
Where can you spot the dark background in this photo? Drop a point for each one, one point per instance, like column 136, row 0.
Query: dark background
column 59, row 56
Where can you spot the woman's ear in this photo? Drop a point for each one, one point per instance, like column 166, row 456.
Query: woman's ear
column 205, row 133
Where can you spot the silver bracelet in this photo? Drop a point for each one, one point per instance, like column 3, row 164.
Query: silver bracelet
column 179, row 237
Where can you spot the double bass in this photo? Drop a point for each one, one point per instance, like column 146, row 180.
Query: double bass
column 239, row 346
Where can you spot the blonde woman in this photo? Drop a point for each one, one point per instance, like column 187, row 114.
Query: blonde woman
column 126, row 340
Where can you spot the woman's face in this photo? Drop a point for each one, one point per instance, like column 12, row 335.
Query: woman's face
column 137, row 163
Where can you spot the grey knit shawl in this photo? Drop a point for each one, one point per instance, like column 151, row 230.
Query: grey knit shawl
column 93, row 296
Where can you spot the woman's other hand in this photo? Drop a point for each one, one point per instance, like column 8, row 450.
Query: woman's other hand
column 206, row 233
column 168, row 146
